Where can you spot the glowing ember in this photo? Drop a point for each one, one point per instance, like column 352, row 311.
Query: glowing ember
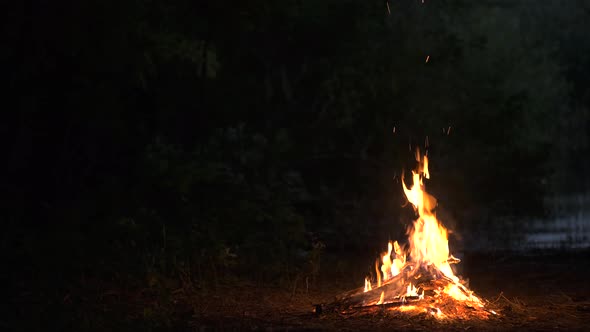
column 436, row 312
column 408, row 308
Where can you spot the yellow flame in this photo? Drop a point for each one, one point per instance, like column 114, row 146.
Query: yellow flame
column 455, row 291
column 411, row 290
column 386, row 266
column 399, row 261
column 391, row 268
column 428, row 238
column 367, row 285
column 378, row 273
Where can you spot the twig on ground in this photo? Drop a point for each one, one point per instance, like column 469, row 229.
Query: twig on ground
column 498, row 298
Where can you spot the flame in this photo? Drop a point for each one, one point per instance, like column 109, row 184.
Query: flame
column 428, row 246
column 428, row 238
column 390, row 268
column 367, row 285
column 399, row 261
column 411, row 290
column 461, row 293
column 386, row 267
column 378, row 274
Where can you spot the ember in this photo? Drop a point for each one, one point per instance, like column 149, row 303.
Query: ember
column 418, row 278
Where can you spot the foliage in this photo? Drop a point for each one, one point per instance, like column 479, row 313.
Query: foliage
column 231, row 198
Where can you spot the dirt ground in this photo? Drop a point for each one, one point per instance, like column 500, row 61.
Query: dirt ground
column 539, row 292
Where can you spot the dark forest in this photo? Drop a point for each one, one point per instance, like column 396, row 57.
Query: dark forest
column 188, row 165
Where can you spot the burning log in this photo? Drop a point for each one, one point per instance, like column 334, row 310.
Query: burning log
column 394, row 292
column 359, row 298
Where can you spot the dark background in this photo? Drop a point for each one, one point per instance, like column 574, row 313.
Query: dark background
column 246, row 139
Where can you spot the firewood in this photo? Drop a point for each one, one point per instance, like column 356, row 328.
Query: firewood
column 428, row 279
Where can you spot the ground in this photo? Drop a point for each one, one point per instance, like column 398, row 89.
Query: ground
column 533, row 292
column 538, row 292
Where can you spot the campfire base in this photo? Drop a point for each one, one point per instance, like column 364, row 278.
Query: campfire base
column 430, row 283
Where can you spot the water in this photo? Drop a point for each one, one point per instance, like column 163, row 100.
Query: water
column 567, row 226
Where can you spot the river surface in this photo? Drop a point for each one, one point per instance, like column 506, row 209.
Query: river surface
column 566, row 225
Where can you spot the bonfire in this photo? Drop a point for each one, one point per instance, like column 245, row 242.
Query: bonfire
column 417, row 278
